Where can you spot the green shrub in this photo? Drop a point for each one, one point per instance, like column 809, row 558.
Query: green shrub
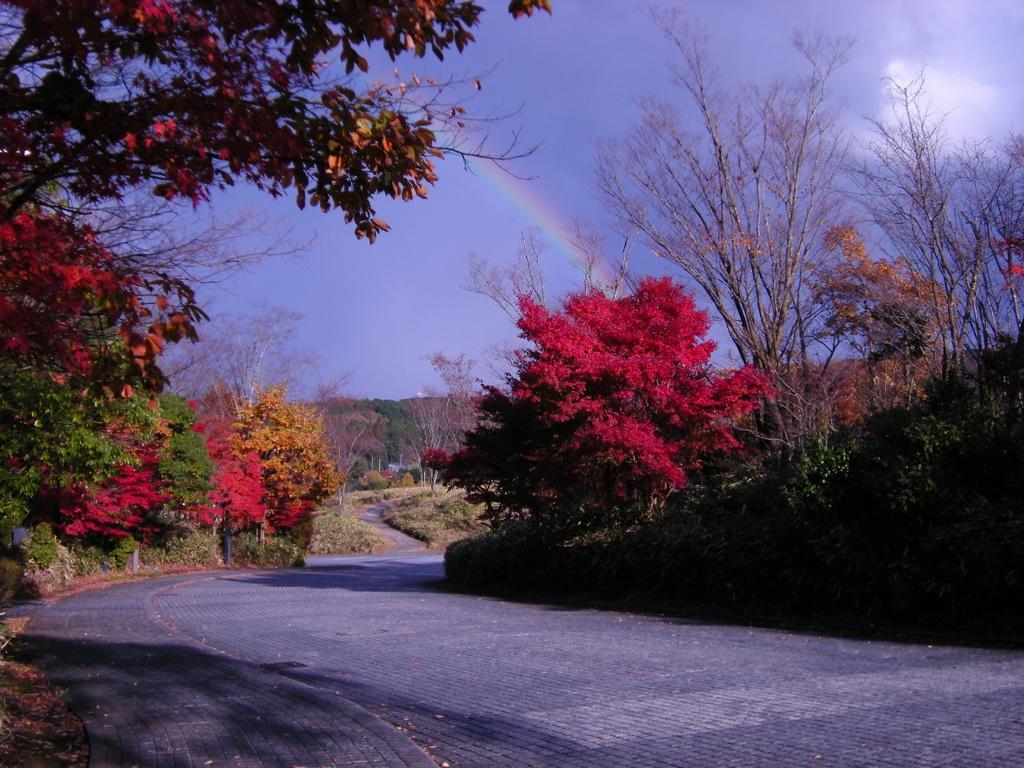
column 87, row 559
column 186, row 468
column 120, row 552
column 12, row 512
column 275, row 552
column 917, row 519
column 60, row 563
column 335, row 534
column 374, row 481
column 40, row 547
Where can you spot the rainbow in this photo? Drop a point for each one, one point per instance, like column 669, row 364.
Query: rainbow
column 540, row 213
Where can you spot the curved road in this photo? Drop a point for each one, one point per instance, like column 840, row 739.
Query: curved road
column 363, row 661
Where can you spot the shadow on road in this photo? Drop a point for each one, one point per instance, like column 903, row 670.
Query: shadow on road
column 161, row 703
column 381, row 575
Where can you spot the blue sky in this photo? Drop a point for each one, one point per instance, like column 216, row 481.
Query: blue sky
column 576, row 76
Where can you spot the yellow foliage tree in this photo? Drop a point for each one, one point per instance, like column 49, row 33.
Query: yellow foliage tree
column 289, row 438
column 878, row 309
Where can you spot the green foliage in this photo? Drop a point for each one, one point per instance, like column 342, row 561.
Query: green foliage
column 400, row 426
column 88, row 559
column 40, row 547
column 185, row 462
column 336, row 534
column 49, row 565
column 47, row 431
column 276, row 552
column 436, row 521
column 176, row 412
column 119, row 552
column 187, row 468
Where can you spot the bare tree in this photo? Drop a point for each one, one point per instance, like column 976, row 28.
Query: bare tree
column 524, row 277
column 443, row 418
column 151, row 236
column 236, row 358
column 741, row 203
column 505, row 284
column 952, row 212
column 351, row 434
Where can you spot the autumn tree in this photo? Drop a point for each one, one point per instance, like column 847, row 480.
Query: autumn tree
column 120, row 497
column 237, row 498
column 611, row 409
column 186, row 95
column 117, row 508
column 182, row 97
column 877, row 312
column 289, row 439
column 68, row 309
column 741, row 203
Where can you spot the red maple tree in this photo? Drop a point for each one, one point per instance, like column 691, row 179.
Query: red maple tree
column 62, row 296
column 103, row 96
column 238, row 497
column 609, row 411
column 116, row 508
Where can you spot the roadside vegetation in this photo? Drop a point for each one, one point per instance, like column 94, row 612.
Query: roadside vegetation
column 437, row 519
column 904, row 516
column 336, row 533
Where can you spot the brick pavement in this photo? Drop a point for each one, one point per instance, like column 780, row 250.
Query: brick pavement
column 258, row 663
column 152, row 697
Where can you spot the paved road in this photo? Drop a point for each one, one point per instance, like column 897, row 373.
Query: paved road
column 283, row 667
column 401, row 544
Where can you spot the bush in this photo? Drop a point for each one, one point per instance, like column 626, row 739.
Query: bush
column 87, row 559
column 375, row 481
column 275, row 552
column 915, row 519
column 60, row 569
column 335, row 534
column 40, row 547
column 197, row 548
column 120, row 551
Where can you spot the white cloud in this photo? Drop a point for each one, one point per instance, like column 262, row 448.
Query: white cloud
column 970, row 106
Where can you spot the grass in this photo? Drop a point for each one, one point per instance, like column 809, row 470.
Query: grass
column 356, row 499
column 438, row 520
column 343, row 534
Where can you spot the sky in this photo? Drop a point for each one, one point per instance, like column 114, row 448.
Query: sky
column 375, row 312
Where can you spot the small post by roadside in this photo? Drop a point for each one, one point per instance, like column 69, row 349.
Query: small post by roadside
column 135, row 561
column 227, row 545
